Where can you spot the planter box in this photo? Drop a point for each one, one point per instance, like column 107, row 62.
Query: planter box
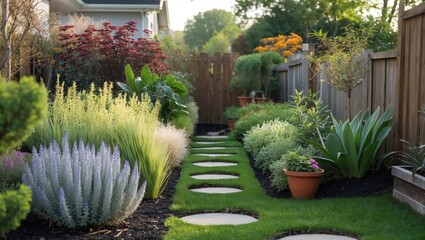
column 407, row 190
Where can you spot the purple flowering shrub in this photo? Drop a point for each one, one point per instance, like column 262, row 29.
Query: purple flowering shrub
column 11, row 168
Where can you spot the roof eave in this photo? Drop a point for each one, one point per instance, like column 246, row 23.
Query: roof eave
column 118, row 7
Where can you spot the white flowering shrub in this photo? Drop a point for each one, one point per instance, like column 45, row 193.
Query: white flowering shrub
column 82, row 187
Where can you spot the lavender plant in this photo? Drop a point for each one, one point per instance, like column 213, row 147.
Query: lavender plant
column 82, row 187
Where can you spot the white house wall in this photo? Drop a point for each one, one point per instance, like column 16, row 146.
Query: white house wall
column 117, row 19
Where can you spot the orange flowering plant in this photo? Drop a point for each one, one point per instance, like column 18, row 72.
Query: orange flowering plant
column 285, row 45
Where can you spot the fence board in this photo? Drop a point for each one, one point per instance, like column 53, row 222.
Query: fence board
column 212, row 85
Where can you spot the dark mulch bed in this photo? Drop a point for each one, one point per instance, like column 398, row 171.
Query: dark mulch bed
column 146, row 223
column 372, row 184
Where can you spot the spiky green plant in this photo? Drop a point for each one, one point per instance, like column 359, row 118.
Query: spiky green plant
column 354, row 145
column 82, row 187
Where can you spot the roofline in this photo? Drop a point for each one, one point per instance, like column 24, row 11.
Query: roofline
column 84, row 7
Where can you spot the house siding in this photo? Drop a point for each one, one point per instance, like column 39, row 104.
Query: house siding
column 142, row 20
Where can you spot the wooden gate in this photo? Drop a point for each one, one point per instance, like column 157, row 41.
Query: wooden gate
column 212, row 85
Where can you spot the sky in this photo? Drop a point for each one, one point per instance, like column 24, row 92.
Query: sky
column 182, row 10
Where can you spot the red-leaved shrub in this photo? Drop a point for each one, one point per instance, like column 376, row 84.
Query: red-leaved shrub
column 99, row 55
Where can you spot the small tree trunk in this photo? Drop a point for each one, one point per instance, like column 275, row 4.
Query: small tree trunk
column 349, row 104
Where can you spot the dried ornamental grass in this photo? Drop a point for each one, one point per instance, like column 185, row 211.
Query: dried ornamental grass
column 175, row 140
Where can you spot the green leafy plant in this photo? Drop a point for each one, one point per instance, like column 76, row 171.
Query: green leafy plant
column 259, row 114
column 310, row 115
column 165, row 89
column 269, row 132
column 231, row 113
column 22, row 106
column 353, row 146
column 253, row 73
column 267, row 142
column 300, row 163
column 82, row 187
column 187, row 121
column 14, row 207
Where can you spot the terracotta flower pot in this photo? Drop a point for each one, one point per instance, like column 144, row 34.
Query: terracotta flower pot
column 231, row 123
column 261, row 100
column 243, row 101
column 303, row 185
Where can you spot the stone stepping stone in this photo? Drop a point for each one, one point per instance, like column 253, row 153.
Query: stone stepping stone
column 214, row 137
column 208, row 142
column 218, row 219
column 216, row 190
column 214, row 176
column 210, row 148
column 214, row 164
column 214, row 154
column 317, row 237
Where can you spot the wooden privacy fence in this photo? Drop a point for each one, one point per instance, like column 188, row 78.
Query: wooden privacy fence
column 212, row 76
column 377, row 89
column 410, row 86
column 395, row 78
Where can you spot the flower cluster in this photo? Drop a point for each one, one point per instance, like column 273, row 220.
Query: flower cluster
column 296, row 162
column 285, row 45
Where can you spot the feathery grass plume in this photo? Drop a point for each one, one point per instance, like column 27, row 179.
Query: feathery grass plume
column 82, row 187
column 176, row 141
column 84, row 114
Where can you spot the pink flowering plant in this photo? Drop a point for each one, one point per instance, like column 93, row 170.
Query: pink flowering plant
column 296, row 162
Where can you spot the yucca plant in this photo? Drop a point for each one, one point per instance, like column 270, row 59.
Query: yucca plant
column 354, row 145
column 82, row 187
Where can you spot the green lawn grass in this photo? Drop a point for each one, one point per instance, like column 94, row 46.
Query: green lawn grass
column 369, row 218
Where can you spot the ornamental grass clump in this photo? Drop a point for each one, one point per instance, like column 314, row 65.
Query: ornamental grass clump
column 176, row 142
column 82, row 187
column 135, row 136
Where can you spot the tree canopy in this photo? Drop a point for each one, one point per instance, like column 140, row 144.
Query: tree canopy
column 204, row 26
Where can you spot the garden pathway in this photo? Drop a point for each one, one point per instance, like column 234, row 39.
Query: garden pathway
column 215, row 159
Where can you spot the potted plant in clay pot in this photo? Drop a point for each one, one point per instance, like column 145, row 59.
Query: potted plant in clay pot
column 253, row 76
column 303, row 175
column 231, row 114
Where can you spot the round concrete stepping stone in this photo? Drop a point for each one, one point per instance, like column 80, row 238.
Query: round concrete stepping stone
column 214, row 164
column 214, row 154
column 214, row 137
column 214, row 176
column 210, row 148
column 317, row 237
column 207, row 142
column 216, row 190
column 218, row 219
